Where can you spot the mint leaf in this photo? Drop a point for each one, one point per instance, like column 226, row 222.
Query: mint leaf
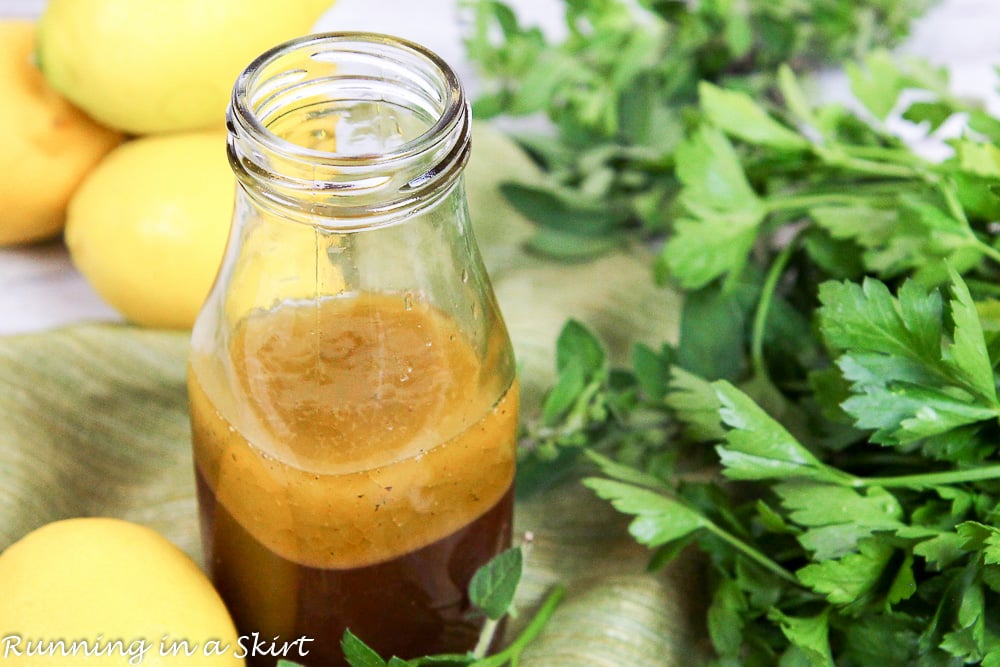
column 577, row 344
column 570, row 385
column 570, row 246
column 359, row 654
column 652, row 369
column 493, row 586
column 738, row 115
column 659, row 519
column 446, row 660
column 758, row 447
column 560, row 211
column 399, row 662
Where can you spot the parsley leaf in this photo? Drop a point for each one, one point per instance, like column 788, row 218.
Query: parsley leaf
column 725, row 213
column 758, row 447
column 844, row 580
column 908, row 382
column 837, row 518
column 736, row 114
column 809, row 635
column 659, row 519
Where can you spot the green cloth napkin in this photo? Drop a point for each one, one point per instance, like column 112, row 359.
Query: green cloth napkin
column 93, row 422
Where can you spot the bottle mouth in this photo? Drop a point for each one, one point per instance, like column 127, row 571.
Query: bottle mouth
column 348, row 129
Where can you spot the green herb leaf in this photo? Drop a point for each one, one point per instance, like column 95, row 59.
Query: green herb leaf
column 968, row 354
column 652, row 369
column 710, row 169
column 725, row 618
column 809, row 635
column 493, row 586
column 725, row 212
column 359, row 654
column 659, row 519
column 877, row 84
column 837, row 518
column 980, row 537
column 758, row 447
column 552, row 210
column 578, row 345
column 941, row 550
column 399, row 662
column 866, row 318
column 697, row 405
column 906, row 386
column 704, row 249
column 738, row 115
column 848, row 578
column 713, row 331
column 625, row 473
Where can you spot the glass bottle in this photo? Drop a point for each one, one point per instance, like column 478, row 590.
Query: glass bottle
column 352, row 385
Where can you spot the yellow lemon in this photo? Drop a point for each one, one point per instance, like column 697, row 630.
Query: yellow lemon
column 146, row 66
column 46, row 145
column 116, row 590
column 148, row 226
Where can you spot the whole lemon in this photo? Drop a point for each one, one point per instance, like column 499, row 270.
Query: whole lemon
column 115, row 589
column 148, row 226
column 146, row 66
column 46, row 145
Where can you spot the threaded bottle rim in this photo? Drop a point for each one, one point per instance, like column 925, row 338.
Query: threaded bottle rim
column 348, row 130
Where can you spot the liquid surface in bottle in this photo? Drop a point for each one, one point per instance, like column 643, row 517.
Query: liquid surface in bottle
column 356, row 478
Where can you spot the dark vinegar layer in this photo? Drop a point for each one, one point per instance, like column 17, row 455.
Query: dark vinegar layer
column 408, row 606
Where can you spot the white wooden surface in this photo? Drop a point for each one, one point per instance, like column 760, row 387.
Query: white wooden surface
column 40, row 289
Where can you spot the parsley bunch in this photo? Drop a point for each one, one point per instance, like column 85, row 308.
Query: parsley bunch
column 825, row 429
column 621, row 87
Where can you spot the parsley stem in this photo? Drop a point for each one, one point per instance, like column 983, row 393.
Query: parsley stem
column 486, row 636
column 988, row 250
column 884, row 154
column 931, row 479
column 805, row 202
column 751, row 553
column 513, row 652
column 839, row 158
column 764, row 306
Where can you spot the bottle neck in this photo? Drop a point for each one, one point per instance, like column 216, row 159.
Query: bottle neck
column 348, row 131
